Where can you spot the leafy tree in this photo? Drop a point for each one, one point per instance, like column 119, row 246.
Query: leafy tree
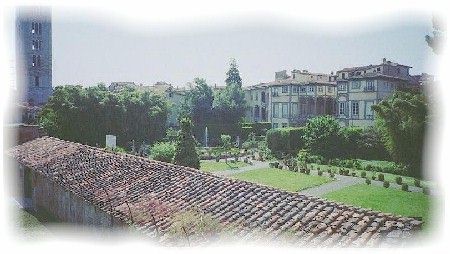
column 186, row 154
column 402, row 120
column 86, row 115
column 197, row 105
column 435, row 41
column 163, row 151
column 321, row 136
column 229, row 104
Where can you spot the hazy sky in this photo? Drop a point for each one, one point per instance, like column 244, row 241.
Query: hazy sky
column 89, row 50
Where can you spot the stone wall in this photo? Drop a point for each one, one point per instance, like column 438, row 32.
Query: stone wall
column 65, row 206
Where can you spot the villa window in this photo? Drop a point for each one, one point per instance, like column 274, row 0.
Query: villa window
column 263, row 96
column 369, row 111
column 356, row 84
column 295, row 89
column 330, row 89
column 370, row 86
column 302, row 89
column 320, row 89
column 310, row 89
column 341, row 108
column 285, row 110
column 294, row 108
column 342, row 87
column 343, row 75
column 276, row 110
column 284, row 125
column 355, row 108
column 256, row 96
column 275, row 125
column 285, row 89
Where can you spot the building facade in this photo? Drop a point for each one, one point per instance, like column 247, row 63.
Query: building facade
column 359, row 88
column 291, row 100
column 34, row 54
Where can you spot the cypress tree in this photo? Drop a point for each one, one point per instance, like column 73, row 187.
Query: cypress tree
column 185, row 154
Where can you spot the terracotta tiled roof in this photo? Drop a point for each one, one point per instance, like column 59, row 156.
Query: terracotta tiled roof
column 113, row 181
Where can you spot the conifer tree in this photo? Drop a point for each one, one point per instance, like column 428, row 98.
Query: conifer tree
column 186, row 154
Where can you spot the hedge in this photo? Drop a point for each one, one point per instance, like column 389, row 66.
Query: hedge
column 285, row 140
column 259, row 129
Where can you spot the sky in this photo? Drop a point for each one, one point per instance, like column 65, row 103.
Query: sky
column 89, row 48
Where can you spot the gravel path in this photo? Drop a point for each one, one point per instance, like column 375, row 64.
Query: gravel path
column 339, row 183
column 256, row 165
column 344, row 181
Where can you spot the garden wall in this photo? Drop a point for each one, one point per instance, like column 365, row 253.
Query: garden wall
column 64, row 205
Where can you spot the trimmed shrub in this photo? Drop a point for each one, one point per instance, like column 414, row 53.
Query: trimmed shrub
column 163, row 151
column 374, row 177
column 380, row 177
column 404, row 187
column 368, row 167
column 332, row 175
column 399, row 180
column 273, row 164
column 386, row 184
column 417, row 182
column 426, row 190
column 307, row 171
column 368, row 181
column 363, row 174
column 353, row 173
column 319, row 172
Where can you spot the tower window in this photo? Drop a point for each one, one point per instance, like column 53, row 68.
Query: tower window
column 34, row 62
column 36, row 81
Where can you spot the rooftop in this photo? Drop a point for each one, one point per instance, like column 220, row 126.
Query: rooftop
column 112, row 181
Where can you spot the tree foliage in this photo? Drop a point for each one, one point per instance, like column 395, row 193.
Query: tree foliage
column 321, row 135
column 229, row 104
column 436, row 40
column 402, row 120
column 86, row 115
column 186, row 154
column 197, row 105
column 163, row 151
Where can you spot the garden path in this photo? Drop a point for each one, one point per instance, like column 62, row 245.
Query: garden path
column 254, row 166
column 344, row 181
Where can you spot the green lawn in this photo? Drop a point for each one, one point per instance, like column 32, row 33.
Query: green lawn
column 212, row 166
column 387, row 176
column 393, row 201
column 282, row 179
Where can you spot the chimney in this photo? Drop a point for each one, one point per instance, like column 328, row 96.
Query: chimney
column 384, row 60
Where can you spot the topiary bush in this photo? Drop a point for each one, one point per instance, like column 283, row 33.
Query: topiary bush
column 319, row 172
column 163, row 151
column 332, row 175
column 368, row 182
column 380, row 177
column 363, row 174
column 307, row 171
column 399, row 180
column 374, row 177
column 404, row 187
column 386, row 184
column 417, row 182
